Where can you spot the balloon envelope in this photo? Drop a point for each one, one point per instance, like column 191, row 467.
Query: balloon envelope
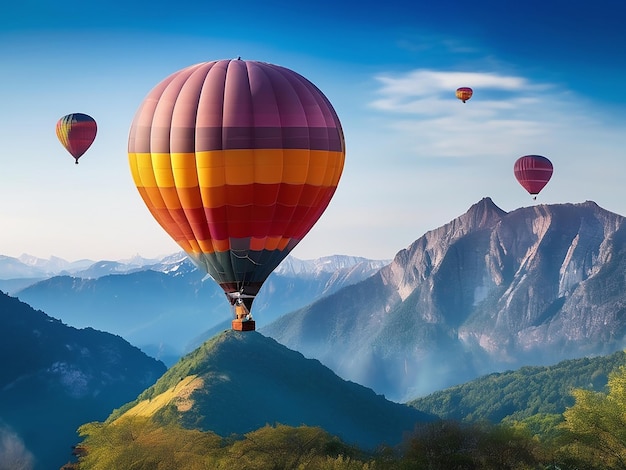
column 76, row 132
column 236, row 160
column 464, row 93
column 533, row 172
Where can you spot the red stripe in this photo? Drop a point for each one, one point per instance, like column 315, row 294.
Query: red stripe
column 291, row 220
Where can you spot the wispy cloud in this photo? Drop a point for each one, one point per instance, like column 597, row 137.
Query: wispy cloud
column 417, row 91
column 506, row 112
column 423, row 82
column 13, row 453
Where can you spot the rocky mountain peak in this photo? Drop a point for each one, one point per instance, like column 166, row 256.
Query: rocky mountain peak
column 487, row 291
column 483, row 214
column 421, row 258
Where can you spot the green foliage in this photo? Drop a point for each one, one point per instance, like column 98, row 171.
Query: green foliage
column 520, row 394
column 590, row 433
column 541, row 425
column 139, row 443
column 595, row 425
column 451, row 445
column 189, row 365
column 594, row 439
column 285, row 447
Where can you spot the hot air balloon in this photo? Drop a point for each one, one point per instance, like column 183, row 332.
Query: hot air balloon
column 464, row 93
column 236, row 160
column 76, row 132
column 533, row 172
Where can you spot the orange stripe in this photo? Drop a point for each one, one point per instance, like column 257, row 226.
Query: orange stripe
column 238, row 167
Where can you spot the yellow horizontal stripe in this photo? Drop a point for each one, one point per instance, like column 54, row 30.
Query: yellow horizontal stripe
column 184, row 170
column 211, row 169
column 237, row 167
column 269, row 166
column 132, row 162
column 144, row 173
column 162, row 168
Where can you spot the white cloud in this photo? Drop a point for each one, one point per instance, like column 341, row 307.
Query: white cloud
column 507, row 114
column 13, row 453
column 424, row 82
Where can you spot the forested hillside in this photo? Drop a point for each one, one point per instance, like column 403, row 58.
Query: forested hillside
column 521, row 393
column 54, row 378
column 589, row 435
column 240, row 381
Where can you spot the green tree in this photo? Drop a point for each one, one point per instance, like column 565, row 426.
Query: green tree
column 285, row 447
column 504, row 447
column 137, row 443
column 444, row 445
column 452, row 445
column 595, row 425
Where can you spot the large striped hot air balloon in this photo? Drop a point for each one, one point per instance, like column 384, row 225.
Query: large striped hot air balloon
column 533, row 172
column 236, row 160
column 76, row 132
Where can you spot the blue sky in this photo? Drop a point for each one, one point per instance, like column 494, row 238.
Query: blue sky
column 547, row 78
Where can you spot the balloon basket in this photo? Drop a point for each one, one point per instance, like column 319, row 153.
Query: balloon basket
column 243, row 325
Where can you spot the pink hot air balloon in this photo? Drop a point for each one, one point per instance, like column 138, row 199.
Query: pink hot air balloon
column 236, row 160
column 533, row 172
column 76, row 132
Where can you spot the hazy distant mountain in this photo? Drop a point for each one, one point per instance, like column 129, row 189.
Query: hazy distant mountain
column 164, row 307
column 54, row 378
column 240, row 381
column 30, row 266
column 487, row 292
column 19, row 273
column 157, row 311
column 329, row 264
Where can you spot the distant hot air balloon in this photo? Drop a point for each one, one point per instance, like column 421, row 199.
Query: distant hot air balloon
column 236, row 160
column 533, row 172
column 464, row 93
column 76, row 132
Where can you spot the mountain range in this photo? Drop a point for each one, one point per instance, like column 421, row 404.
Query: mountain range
column 167, row 308
column 17, row 273
column 487, row 292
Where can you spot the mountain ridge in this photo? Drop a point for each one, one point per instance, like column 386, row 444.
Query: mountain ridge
column 57, row 376
column 171, row 307
column 237, row 382
column 522, row 393
column 488, row 291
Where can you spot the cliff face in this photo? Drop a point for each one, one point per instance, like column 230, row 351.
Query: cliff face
column 488, row 291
